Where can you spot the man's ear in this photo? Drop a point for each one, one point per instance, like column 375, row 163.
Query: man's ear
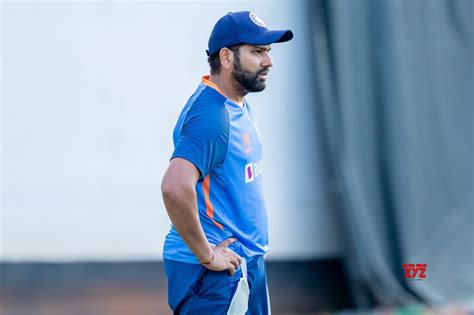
column 227, row 58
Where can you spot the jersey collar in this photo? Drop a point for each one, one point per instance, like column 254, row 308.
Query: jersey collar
column 205, row 81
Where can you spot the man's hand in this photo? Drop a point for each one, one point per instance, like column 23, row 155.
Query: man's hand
column 179, row 195
column 224, row 258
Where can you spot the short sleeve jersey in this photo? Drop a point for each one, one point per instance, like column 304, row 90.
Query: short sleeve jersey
column 221, row 139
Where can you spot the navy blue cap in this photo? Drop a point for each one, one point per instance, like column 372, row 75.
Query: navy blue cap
column 243, row 28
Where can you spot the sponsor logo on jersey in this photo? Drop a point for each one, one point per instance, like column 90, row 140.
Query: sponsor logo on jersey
column 252, row 171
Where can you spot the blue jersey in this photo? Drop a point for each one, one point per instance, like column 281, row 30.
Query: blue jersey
column 221, row 139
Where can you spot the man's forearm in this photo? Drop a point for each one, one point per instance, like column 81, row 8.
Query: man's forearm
column 182, row 209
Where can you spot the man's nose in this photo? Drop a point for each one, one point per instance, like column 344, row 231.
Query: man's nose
column 267, row 61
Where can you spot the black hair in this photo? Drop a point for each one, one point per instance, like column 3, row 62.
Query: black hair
column 214, row 60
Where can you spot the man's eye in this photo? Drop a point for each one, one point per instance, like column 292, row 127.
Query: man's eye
column 257, row 52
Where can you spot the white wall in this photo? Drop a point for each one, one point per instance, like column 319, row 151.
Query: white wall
column 90, row 95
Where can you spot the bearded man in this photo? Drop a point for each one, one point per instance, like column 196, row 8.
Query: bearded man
column 212, row 189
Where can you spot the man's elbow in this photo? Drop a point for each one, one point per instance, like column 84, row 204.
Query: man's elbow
column 168, row 190
column 175, row 192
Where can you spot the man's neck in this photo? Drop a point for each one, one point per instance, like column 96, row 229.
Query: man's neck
column 227, row 86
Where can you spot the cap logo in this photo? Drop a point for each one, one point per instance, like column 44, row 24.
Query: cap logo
column 256, row 20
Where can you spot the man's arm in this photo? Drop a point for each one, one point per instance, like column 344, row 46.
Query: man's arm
column 179, row 195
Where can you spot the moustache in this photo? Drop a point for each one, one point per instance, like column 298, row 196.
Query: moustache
column 263, row 72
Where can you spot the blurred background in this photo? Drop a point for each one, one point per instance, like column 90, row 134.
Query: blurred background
column 367, row 125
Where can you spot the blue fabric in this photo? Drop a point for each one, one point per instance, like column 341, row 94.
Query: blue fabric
column 243, row 27
column 193, row 289
column 202, row 133
column 222, row 140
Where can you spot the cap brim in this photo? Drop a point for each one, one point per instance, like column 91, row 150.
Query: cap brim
column 270, row 37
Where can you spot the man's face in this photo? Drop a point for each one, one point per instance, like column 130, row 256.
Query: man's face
column 251, row 67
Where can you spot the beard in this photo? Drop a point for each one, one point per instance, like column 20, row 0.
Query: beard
column 248, row 81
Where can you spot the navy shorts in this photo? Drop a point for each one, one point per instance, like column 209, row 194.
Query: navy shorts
column 196, row 290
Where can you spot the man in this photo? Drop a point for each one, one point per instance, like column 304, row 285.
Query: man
column 212, row 189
